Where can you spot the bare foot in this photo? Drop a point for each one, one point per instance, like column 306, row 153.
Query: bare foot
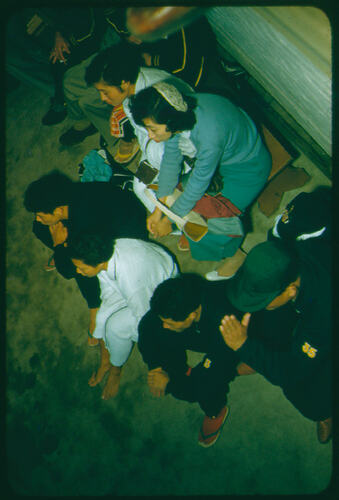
column 92, row 341
column 112, row 384
column 97, row 377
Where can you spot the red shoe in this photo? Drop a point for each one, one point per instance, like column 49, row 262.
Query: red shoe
column 211, row 428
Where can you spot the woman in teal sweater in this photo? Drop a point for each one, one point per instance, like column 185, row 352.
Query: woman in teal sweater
column 220, row 138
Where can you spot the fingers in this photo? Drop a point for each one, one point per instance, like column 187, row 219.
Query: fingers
column 226, row 320
column 246, row 319
column 229, row 324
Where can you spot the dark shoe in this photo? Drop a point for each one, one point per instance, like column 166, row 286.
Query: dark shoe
column 211, row 427
column 324, row 430
column 56, row 114
column 72, row 136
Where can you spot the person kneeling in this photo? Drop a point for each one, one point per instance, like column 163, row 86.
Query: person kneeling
column 128, row 271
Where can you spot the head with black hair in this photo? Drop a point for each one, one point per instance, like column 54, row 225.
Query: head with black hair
column 163, row 110
column 90, row 251
column 49, row 197
column 114, row 72
column 177, row 301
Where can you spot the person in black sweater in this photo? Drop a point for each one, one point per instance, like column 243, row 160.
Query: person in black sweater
column 279, row 274
column 185, row 313
column 62, row 206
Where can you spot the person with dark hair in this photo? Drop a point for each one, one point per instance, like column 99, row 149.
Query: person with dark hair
column 307, row 219
column 188, row 54
column 43, row 43
column 185, row 314
column 277, row 275
column 227, row 156
column 128, row 271
column 61, row 205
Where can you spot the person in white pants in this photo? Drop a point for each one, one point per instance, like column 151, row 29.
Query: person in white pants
column 129, row 270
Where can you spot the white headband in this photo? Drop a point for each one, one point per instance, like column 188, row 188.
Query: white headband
column 171, row 95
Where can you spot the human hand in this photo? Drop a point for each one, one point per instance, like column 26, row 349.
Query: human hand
column 153, row 219
column 60, row 46
column 59, row 233
column 233, row 332
column 162, row 228
column 157, row 381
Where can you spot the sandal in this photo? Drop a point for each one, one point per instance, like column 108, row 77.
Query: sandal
column 92, row 341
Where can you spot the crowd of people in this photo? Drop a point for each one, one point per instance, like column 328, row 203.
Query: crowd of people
column 202, row 162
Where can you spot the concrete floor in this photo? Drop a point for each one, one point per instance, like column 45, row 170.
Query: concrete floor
column 62, row 439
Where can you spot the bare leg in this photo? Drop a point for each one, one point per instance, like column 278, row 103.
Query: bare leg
column 231, row 265
column 112, row 385
column 92, row 341
column 104, row 367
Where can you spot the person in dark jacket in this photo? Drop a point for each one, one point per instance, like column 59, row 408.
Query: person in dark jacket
column 188, row 54
column 185, row 313
column 278, row 274
column 307, row 216
column 43, row 43
column 62, row 206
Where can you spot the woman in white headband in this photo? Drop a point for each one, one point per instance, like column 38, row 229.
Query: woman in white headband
column 222, row 141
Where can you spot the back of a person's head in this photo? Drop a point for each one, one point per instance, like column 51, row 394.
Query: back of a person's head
column 115, row 64
column 50, row 191
column 176, row 298
column 93, row 247
column 309, row 216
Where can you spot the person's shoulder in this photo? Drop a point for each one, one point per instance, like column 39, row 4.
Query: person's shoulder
column 131, row 250
column 146, row 325
column 213, row 101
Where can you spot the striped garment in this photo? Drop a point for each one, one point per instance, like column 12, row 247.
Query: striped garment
column 117, row 120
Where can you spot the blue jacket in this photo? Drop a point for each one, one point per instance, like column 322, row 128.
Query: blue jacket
column 225, row 136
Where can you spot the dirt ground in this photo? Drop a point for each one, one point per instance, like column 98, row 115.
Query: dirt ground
column 62, row 439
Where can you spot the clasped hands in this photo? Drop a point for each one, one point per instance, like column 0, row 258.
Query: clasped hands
column 233, row 331
column 157, row 381
column 158, row 224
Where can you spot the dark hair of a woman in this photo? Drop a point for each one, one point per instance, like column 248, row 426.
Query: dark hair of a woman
column 149, row 103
